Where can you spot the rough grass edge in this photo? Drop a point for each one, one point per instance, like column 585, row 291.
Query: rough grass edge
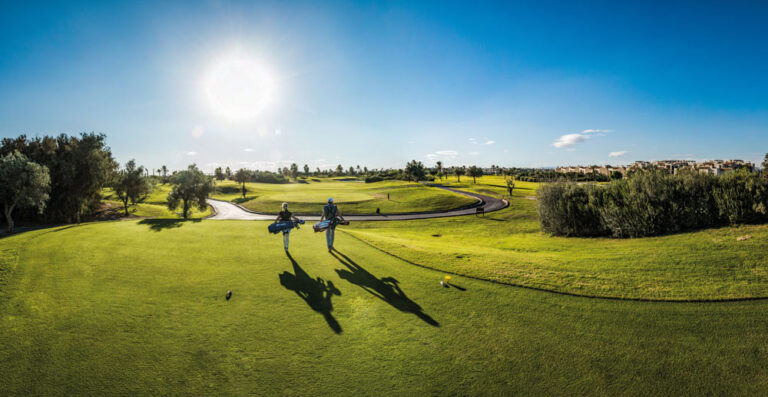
column 553, row 291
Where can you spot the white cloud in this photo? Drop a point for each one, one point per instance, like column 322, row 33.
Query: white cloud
column 487, row 141
column 570, row 140
column 595, row 131
column 191, row 153
column 571, row 149
column 618, row 153
column 278, row 132
column 442, row 155
column 473, row 153
column 198, row 131
column 247, row 149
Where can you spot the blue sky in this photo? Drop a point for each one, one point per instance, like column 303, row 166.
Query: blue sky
column 377, row 84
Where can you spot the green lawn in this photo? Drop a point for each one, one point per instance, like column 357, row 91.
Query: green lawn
column 508, row 246
column 153, row 206
column 352, row 197
column 137, row 307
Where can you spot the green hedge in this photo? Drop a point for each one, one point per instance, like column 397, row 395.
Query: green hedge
column 651, row 203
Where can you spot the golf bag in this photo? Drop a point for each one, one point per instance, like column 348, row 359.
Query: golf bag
column 323, row 225
column 278, row 227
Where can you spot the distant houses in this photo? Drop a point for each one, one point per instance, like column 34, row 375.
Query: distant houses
column 712, row 167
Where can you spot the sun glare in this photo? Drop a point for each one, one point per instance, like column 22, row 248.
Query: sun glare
column 239, row 88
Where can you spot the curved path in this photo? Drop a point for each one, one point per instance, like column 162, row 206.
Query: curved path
column 227, row 210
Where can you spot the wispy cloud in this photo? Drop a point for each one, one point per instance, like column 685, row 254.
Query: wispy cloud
column 473, row 153
column 278, row 132
column 570, row 140
column 442, row 154
column 247, row 149
column 191, row 153
column 487, row 141
column 619, row 153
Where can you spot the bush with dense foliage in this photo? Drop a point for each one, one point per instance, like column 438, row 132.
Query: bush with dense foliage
column 651, row 203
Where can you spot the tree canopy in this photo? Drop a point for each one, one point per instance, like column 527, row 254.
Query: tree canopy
column 190, row 189
column 415, row 170
column 131, row 184
column 475, row 172
column 79, row 167
column 23, row 183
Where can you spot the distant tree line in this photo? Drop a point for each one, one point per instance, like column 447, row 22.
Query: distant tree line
column 77, row 168
column 653, row 202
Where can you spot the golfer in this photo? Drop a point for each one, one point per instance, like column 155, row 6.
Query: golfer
column 283, row 216
column 330, row 212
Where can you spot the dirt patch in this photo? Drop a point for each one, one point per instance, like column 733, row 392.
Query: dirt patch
column 742, row 238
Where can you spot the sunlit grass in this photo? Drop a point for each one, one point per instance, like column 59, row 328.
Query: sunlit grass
column 153, row 206
column 137, row 307
column 508, row 246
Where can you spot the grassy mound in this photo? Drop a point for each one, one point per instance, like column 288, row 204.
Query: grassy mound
column 352, row 197
column 137, row 307
column 508, row 246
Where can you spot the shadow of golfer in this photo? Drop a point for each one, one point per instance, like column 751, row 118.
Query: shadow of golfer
column 386, row 288
column 316, row 292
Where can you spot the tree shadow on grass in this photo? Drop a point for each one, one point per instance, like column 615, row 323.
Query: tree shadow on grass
column 386, row 288
column 163, row 224
column 316, row 292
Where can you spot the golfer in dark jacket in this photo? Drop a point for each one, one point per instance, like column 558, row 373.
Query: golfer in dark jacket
column 330, row 212
column 283, row 216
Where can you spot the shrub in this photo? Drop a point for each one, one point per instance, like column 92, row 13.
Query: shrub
column 569, row 209
column 652, row 202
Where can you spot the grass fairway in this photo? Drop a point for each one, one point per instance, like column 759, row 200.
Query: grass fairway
column 353, row 197
column 153, row 206
column 137, row 307
column 508, row 246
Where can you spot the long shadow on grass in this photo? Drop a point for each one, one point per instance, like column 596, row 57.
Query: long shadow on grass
column 316, row 292
column 163, row 224
column 385, row 288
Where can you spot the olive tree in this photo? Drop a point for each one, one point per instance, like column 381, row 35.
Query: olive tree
column 131, row 184
column 23, row 183
column 190, row 189
column 475, row 172
column 241, row 176
column 459, row 171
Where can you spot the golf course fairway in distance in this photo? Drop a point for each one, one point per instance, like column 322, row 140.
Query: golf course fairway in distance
column 352, row 197
column 139, row 307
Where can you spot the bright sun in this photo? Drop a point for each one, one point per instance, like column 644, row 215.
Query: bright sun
column 239, row 88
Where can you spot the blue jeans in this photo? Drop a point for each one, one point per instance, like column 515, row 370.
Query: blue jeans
column 329, row 235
